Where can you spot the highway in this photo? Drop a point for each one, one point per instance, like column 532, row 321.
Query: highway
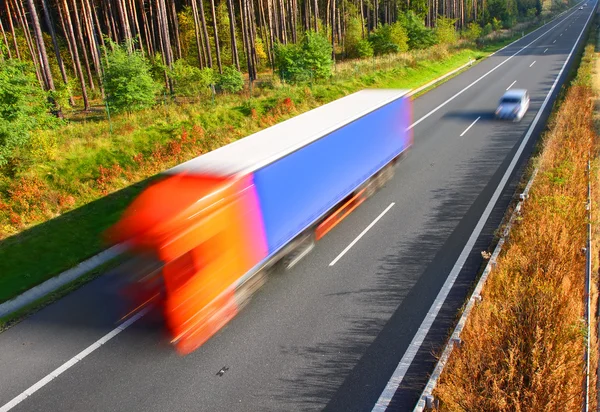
column 330, row 333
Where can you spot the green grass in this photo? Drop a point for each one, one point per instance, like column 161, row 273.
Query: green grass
column 69, row 159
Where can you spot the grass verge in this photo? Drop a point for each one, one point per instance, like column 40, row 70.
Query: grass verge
column 523, row 344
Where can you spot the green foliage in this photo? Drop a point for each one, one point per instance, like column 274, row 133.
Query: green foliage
column 23, row 107
column 353, row 38
column 261, row 53
column 487, row 29
column 187, row 35
column 419, row 36
column 309, row 59
column 127, row 80
column 531, row 13
column 230, row 80
column 190, row 80
column 445, row 31
column 496, row 24
column 364, row 49
column 473, row 31
column 391, row 38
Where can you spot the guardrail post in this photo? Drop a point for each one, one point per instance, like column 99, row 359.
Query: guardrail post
column 431, row 402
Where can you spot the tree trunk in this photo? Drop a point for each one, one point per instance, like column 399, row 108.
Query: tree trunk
column 92, row 39
column 126, row 29
column 333, row 30
column 197, row 33
column 206, row 38
column 166, row 39
column 98, row 31
column 75, row 54
column 79, row 34
column 41, row 46
column 5, row 40
column 246, row 35
column 134, row 16
column 147, row 29
column 110, row 16
column 234, row 51
column 268, row 39
column 283, row 21
column 29, row 40
column 316, row 10
column 217, row 49
column 12, row 30
column 176, row 28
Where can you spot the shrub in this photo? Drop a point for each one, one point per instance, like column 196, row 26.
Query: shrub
column 23, row 107
column 261, row 54
column 487, row 29
column 309, row 59
column 496, row 24
column 473, row 31
column 445, row 31
column 353, row 38
column 189, row 80
column 127, row 80
column 419, row 36
column 230, row 80
column 389, row 39
column 364, row 49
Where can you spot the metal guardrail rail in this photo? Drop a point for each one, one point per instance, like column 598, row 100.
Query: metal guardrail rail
column 427, row 400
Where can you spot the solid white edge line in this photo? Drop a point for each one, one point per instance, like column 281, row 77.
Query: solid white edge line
column 511, row 85
column 71, row 362
column 486, row 74
column 532, row 63
column 415, row 344
column 334, row 261
column 471, row 125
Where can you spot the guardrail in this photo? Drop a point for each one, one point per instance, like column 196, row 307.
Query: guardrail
column 588, row 285
column 427, row 400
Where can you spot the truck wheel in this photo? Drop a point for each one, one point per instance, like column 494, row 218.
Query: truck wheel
column 244, row 293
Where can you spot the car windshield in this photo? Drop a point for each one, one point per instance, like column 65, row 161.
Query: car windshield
column 510, row 100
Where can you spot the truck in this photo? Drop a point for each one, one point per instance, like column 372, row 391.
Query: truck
column 209, row 231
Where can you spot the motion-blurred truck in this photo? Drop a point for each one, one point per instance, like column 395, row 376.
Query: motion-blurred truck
column 209, row 230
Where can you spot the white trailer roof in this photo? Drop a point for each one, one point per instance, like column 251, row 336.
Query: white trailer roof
column 259, row 149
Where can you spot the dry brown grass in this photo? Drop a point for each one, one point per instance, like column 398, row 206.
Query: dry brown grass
column 523, row 345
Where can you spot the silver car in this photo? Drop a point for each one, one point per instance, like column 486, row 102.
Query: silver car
column 513, row 105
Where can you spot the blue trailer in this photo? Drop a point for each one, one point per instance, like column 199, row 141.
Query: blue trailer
column 305, row 167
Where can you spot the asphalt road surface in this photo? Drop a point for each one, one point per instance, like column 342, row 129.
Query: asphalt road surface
column 331, row 332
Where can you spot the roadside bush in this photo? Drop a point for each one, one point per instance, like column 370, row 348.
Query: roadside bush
column 419, row 36
column 353, row 38
column 230, row 80
column 261, row 54
column 496, row 24
column 308, row 59
column 23, row 107
column 127, row 80
column 445, row 31
column 389, row 38
column 189, row 80
column 531, row 13
column 487, row 29
column 473, row 31
column 364, row 49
